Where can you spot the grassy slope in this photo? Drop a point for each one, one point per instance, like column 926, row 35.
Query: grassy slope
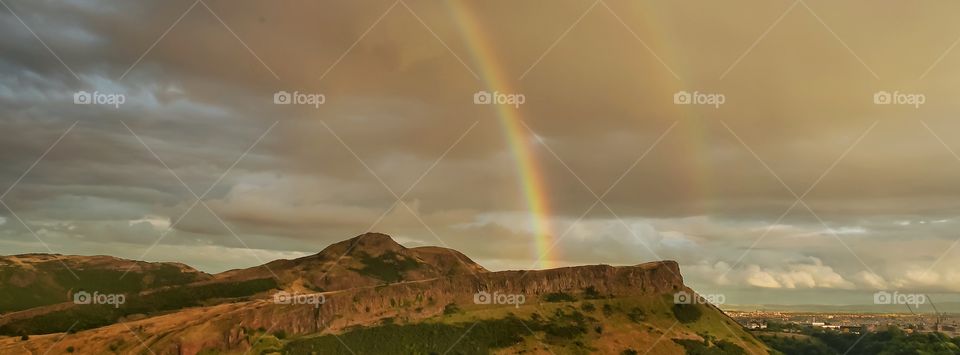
column 83, row 317
column 605, row 326
column 51, row 283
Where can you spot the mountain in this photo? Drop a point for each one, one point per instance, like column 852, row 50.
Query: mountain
column 372, row 295
column 33, row 280
column 367, row 260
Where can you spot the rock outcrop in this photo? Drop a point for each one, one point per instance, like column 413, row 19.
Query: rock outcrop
column 415, row 300
column 435, row 278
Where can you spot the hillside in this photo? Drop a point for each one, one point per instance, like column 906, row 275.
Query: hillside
column 33, row 280
column 384, row 298
column 366, row 260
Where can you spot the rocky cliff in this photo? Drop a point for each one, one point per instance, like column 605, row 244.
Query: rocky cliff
column 407, row 302
column 434, row 279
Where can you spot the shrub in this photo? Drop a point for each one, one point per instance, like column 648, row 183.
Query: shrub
column 637, row 315
column 686, row 313
column 591, row 293
column 451, row 308
column 559, row 297
column 607, row 309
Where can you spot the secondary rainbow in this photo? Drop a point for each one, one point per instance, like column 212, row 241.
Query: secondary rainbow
column 520, row 141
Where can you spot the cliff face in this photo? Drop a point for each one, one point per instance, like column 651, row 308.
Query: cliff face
column 362, row 281
column 415, row 300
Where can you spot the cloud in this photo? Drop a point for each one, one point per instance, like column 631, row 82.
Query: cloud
column 399, row 100
column 810, row 273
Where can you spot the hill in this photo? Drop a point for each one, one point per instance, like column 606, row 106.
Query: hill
column 383, row 298
column 34, row 280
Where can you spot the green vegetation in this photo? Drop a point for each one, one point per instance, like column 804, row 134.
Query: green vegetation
column 93, row 316
column 451, row 308
column 791, row 344
column 591, row 293
column 637, row 315
column 565, row 327
column 265, row 344
column 388, row 267
column 607, row 309
column 50, row 283
column 686, row 313
column 558, row 297
column 887, row 342
column 481, row 337
column 710, row 346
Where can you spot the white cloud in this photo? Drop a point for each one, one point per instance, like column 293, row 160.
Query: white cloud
column 157, row 222
column 807, row 273
column 870, row 280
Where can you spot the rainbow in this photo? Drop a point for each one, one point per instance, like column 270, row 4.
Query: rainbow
column 495, row 79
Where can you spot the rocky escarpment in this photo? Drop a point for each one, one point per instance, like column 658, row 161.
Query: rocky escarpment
column 415, row 300
column 345, row 309
column 363, row 281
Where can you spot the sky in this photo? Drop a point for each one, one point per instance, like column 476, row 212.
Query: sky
column 796, row 186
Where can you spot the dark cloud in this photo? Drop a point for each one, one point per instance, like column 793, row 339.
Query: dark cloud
column 201, row 95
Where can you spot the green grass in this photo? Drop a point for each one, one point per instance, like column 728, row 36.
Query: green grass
column 559, row 297
column 716, row 347
column 564, row 327
column 890, row 341
column 687, row 313
column 388, row 267
column 50, row 283
column 93, row 316
column 479, row 337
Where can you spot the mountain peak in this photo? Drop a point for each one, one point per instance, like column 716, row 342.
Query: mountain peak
column 371, row 243
column 374, row 237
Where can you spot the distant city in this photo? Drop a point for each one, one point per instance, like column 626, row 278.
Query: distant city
column 856, row 323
